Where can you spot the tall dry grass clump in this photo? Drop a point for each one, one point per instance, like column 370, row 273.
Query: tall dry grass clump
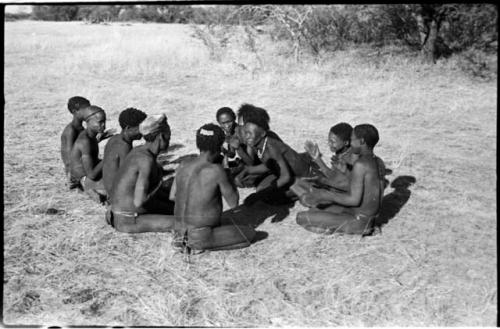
column 434, row 262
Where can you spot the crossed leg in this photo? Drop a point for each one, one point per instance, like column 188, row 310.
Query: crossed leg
column 333, row 219
column 143, row 223
column 223, row 237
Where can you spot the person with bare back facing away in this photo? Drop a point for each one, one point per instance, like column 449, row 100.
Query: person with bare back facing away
column 199, row 186
column 85, row 164
column 354, row 211
column 120, row 145
column 138, row 202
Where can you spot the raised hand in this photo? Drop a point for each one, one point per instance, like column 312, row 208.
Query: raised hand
column 312, row 149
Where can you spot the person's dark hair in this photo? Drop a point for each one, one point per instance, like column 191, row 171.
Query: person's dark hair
column 77, row 102
column 131, row 117
column 342, row 130
column 165, row 131
column 225, row 110
column 368, row 132
column 247, row 111
column 210, row 137
column 255, row 115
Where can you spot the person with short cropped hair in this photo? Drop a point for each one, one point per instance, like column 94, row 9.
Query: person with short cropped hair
column 199, row 186
column 120, row 145
column 139, row 201
column 69, row 135
column 338, row 175
column 85, row 164
column 352, row 211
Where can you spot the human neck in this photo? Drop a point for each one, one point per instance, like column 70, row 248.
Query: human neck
column 207, row 156
column 91, row 134
column 366, row 152
column 76, row 122
column 126, row 138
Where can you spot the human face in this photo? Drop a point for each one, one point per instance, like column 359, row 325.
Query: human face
column 226, row 122
column 355, row 143
column 133, row 133
column 97, row 122
column 164, row 141
column 335, row 143
column 253, row 134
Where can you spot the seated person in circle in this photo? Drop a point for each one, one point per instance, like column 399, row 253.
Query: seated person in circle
column 338, row 176
column 85, row 164
column 226, row 118
column 354, row 211
column 120, row 145
column 138, row 202
column 69, row 135
column 199, row 186
column 277, row 158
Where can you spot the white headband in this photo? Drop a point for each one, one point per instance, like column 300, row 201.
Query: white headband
column 206, row 132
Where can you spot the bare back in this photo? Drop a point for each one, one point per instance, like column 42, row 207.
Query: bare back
column 137, row 162
column 115, row 153
column 68, row 138
column 373, row 186
column 83, row 146
column 198, row 200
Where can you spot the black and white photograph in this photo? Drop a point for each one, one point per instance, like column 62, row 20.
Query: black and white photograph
column 246, row 164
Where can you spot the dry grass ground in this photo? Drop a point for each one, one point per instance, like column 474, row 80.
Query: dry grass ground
column 434, row 262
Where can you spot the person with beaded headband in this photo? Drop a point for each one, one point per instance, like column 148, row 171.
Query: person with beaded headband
column 199, row 186
column 139, row 201
column 85, row 164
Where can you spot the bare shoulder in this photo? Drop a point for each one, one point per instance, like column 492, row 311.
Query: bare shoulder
column 212, row 170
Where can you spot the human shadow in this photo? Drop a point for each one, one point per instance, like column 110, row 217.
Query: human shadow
column 254, row 214
column 394, row 201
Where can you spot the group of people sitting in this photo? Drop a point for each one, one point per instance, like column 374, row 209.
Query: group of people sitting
column 239, row 151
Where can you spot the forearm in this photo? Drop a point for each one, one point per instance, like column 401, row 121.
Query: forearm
column 96, row 171
column 244, row 156
column 259, row 169
column 345, row 199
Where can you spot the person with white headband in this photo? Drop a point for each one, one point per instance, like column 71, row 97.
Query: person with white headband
column 199, row 186
column 139, row 202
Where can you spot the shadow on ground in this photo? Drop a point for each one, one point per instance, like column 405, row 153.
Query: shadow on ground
column 394, row 201
column 254, row 214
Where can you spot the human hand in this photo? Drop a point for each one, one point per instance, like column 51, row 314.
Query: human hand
column 106, row 134
column 312, row 149
column 234, row 142
column 308, row 200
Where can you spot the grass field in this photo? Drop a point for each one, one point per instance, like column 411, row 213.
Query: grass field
column 433, row 264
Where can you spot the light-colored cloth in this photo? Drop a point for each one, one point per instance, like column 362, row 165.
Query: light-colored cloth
column 153, row 124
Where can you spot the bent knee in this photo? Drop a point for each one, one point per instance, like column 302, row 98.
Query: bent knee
column 302, row 218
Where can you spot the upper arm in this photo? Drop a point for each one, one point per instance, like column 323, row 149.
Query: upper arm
column 142, row 183
column 357, row 183
column 173, row 190
column 228, row 191
column 87, row 159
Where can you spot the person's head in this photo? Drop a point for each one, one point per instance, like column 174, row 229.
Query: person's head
column 155, row 129
column 209, row 138
column 77, row 103
column 255, row 129
column 249, row 111
column 227, row 119
column 94, row 118
column 339, row 136
column 129, row 120
column 364, row 135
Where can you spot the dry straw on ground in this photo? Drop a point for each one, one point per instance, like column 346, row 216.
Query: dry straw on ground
column 433, row 264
